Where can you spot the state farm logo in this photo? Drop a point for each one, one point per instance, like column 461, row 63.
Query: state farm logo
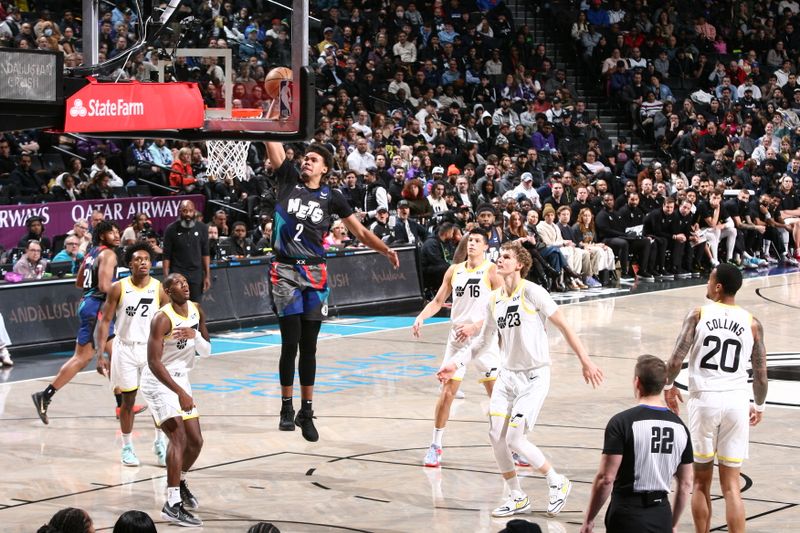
column 106, row 108
column 77, row 109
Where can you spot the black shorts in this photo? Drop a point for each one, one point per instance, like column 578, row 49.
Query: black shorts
column 628, row 514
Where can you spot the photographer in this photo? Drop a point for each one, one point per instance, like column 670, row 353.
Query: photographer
column 133, row 233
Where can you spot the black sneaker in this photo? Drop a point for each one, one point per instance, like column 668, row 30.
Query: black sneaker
column 187, row 498
column 176, row 513
column 41, row 402
column 305, row 419
column 287, row 419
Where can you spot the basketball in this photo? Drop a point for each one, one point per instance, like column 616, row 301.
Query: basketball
column 272, row 83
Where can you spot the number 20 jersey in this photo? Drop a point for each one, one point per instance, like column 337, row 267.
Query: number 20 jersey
column 722, row 346
column 136, row 309
column 520, row 320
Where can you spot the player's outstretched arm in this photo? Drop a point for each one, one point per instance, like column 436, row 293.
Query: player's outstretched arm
column 367, row 238
column 672, row 396
column 592, row 373
column 436, row 304
column 758, row 359
column 105, row 273
column 276, row 154
column 104, row 324
column 601, row 488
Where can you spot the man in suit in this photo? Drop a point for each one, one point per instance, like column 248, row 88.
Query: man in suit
column 407, row 231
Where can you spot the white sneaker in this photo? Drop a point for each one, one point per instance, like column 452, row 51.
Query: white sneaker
column 433, row 457
column 558, row 496
column 512, row 506
column 5, row 357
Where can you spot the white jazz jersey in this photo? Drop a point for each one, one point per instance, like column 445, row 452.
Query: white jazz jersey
column 136, row 309
column 722, row 347
column 471, row 292
column 180, row 354
column 519, row 320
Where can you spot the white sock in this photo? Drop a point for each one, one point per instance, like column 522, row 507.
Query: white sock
column 183, row 475
column 159, row 435
column 553, row 478
column 437, row 436
column 173, row 495
column 514, row 487
column 126, row 439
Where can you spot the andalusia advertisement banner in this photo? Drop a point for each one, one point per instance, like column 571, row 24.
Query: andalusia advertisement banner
column 134, row 106
column 60, row 217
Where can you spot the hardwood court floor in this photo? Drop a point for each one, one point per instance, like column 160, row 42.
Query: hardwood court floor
column 375, row 402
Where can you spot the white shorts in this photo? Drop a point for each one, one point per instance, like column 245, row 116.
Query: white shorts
column 163, row 403
column 127, row 362
column 720, row 426
column 519, row 396
column 487, row 362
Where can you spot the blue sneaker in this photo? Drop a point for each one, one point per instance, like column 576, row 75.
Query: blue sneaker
column 160, row 449
column 129, row 456
column 592, row 283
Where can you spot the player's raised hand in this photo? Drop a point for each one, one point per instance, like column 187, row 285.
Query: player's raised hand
column 446, row 372
column 415, row 329
column 673, row 399
column 592, row 374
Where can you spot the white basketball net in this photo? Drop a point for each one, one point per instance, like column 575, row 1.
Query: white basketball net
column 228, row 158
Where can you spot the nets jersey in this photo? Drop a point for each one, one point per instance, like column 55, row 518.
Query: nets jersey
column 519, row 320
column 471, row 291
column 91, row 274
column 180, row 354
column 722, row 346
column 303, row 215
column 136, row 309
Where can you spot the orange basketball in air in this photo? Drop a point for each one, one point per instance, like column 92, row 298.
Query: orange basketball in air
column 272, row 83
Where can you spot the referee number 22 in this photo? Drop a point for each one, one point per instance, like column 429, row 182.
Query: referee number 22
column 661, row 439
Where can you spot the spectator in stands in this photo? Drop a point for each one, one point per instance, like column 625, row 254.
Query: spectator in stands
column 100, row 166
column 182, row 175
column 99, row 187
column 65, row 189
column 25, row 180
column 36, row 229
column 31, row 266
column 406, row 230
column 241, row 244
column 380, row 226
column 133, row 233
column 70, row 519
column 70, row 253
column 160, row 154
column 436, row 254
column 549, row 234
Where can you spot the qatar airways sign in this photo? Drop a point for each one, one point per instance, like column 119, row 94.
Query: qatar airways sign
column 134, row 106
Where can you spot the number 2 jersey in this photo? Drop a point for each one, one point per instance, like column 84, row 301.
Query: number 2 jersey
column 303, row 215
column 136, row 309
column 722, row 347
column 519, row 320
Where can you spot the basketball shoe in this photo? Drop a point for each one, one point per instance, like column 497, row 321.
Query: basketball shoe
column 514, row 505
column 41, row 403
column 434, row 456
column 177, row 514
column 305, row 421
column 187, row 498
column 558, row 496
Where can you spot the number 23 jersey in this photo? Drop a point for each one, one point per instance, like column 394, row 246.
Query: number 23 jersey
column 519, row 319
column 303, row 215
column 722, row 347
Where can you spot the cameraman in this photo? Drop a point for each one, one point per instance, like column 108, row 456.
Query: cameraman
column 133, row 233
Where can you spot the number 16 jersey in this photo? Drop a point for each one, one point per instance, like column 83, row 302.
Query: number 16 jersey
column 722, row 346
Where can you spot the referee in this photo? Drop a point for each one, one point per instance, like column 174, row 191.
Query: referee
column 643, row 448
column 186, row 251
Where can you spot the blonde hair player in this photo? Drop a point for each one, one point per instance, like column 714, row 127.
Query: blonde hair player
column 131, row 304
column 177, row 334
column 517, row 313
column 470, row 284
column 718, row 338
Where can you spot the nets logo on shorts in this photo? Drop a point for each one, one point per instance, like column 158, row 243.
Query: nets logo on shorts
column 783, row 373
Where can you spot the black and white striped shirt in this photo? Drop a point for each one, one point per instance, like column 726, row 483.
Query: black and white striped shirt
column 653, row 442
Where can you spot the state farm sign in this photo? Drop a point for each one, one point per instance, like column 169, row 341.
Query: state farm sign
column 134, row 106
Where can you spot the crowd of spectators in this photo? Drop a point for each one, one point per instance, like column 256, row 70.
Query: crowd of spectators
column 438, row 112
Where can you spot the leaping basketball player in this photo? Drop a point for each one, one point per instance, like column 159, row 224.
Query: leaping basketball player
column 177, row 332
column 718, row 337
column 131, row 304
column 517, row 313
column 95, row 276
column 298, row 275
column 470, row 284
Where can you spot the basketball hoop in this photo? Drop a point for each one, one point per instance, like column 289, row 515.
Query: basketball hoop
column 228, row 158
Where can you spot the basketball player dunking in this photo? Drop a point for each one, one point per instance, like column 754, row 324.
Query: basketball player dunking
column 95, row 276
column 131, row 304
column 298, row 275
column 718, row 338
column 516, row 313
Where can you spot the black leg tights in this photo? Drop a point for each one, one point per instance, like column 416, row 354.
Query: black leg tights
column 298, row 333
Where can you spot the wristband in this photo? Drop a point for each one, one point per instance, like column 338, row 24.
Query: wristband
column 759, row 408
column 202, row 346
column 668, row 386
